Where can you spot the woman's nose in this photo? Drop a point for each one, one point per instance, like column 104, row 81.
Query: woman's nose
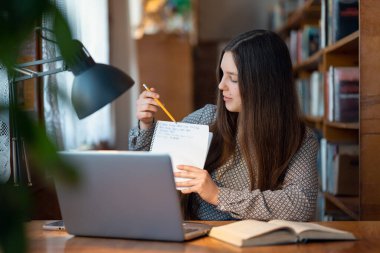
column 222, row 85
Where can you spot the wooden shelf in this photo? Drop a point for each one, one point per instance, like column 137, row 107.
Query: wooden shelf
column 344, row 52
column 311, row 63
column 310, row 11
column 348, row 44
column 341, row 132
column 348, row 205
column 342, row 125
column 313, row 122
column 334, row 131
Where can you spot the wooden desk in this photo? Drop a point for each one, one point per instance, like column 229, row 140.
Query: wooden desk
column 368, row 233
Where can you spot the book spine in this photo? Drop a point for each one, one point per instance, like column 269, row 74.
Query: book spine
column 293, row 46
column 310, row 41
column 316, row 94
column 303, row 89
column 299, row 46
column 331, row 150
column 322, row 24
column 342, row 168
column 339, row 168
column 346, row 94
column 345, row 18
column 330, row 94
column 323, row 168
column 347, row 175
column 329, row 21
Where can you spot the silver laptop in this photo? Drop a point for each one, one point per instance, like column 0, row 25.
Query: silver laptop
column 124, row 194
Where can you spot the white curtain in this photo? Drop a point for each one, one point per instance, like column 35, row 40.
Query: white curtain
column 89, row 23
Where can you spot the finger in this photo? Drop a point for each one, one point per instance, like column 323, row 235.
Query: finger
column 149, row 94
column 188, row 168
column 181, row 174
column 187, row 190
column 187, row 183
column 147, row 108
column 146, row 105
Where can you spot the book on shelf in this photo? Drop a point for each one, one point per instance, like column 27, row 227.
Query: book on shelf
column 346, row 94
column 346, row 174
column 310, row 41
column 339, row 168
column 258, row 233
column 303, row 43
column 339, row 18
column 342, row 94
column 317, row 94
column 323, row 25
column 311, row 95
column 322, row 162
column 293, row 45
column 345, row 18
column 303, row 90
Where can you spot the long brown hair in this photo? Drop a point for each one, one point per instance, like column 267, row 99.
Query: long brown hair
column 268, row 128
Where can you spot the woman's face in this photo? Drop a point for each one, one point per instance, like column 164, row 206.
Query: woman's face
column 229, row 84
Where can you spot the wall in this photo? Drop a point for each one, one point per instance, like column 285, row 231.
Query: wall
column 223, row 19
column 123, row 55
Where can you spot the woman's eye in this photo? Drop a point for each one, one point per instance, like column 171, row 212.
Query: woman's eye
column 233, row 80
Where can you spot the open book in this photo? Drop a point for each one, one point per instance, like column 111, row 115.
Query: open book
column 259, row 233
column 187, row 144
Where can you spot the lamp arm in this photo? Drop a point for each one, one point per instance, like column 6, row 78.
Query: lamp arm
column 18, row 146
column 29, row 74
column 39, row 62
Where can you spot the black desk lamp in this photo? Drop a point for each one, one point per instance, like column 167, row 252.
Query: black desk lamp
column 95, row 85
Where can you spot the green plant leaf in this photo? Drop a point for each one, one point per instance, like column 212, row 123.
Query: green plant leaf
column 18, row 19
column 14, row 208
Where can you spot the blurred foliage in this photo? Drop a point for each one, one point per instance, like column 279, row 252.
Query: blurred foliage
column 181, row 6
column 18, row 19
column 14, row 209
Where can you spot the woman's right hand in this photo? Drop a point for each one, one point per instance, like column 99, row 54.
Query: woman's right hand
column 147, row 108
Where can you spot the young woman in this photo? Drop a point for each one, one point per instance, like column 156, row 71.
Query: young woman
column 262, row 160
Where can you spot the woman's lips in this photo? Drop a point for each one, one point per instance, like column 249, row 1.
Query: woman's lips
column 227, row 98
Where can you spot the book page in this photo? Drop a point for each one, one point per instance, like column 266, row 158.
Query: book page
column 247, row 229
column 187, row 144
column 300, row 227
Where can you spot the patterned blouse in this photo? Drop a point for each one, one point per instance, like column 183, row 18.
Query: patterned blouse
column 296, row 200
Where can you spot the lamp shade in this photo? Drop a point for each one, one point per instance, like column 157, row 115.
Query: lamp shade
column 95, row 85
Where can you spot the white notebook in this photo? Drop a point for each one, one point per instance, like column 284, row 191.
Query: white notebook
column 187, row 144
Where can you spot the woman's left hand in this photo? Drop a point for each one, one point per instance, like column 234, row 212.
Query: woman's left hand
column 199, row 181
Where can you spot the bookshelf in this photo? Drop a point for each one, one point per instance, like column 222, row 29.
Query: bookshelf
column 360, row 48
column 347, row 205
column 308, row 13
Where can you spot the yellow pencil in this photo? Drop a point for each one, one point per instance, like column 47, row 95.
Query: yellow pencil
column 160, row 104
